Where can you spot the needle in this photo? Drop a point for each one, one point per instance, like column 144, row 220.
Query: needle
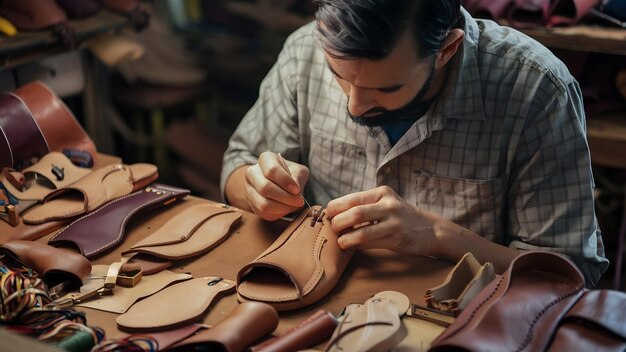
column 283, row 163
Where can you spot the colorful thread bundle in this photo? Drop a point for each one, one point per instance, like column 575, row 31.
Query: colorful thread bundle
column 27, row 308
column 133, row 343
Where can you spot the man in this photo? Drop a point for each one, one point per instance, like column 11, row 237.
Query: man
column 445, row 134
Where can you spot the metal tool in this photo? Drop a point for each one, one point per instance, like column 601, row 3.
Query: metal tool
column 283, row 163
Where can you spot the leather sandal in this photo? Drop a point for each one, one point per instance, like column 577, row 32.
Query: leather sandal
column 374, row 326
column 299, row 268
column 55, row 169
column 92, row 191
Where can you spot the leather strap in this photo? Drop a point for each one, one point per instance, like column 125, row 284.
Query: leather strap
column 105, row 227
column 21, row 137
column 166, row 310
column 124, row 297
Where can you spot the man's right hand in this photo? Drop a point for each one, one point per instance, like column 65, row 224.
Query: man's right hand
column 271, row 191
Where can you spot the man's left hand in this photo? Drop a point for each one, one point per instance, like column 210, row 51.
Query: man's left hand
column 380, row 218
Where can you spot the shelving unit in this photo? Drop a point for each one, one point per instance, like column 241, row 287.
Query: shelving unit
column 606, row 134
column 28, row 47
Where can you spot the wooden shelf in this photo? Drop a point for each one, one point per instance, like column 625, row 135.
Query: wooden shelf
column 607, row 140
column 27, row 47
column 582, row 38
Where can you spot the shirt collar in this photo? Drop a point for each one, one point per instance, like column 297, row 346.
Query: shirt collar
column 461, row 97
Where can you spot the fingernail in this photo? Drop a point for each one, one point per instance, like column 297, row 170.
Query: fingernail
column 293, row 189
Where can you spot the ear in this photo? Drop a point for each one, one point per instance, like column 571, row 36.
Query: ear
column 449, row 47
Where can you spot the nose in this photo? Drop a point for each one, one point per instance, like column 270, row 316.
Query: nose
column 360, row 101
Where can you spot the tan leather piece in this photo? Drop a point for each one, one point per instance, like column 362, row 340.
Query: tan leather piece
column 461, row 285
column 176, row 305
column 91, row 192
column 115, row 49
column 243, row 326
column 193, row 231
column 374, row 326
column 149, row 265
column 43, row 168
column 54, row 265
column 298, row 269
column 124, row 297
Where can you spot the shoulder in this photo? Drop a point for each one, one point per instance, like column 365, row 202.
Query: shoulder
column 301, row 43
column 516, row 52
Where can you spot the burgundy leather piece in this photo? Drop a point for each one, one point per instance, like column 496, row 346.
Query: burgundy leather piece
column 565, row 12
column 79, row 8
column 312, row 331
column 595, row 323
column 529, row 13
column 32, row 14
column 55, row 119
column 246, row 324
column 52, row 264
column 21, row 134
column 105, row 227
column 514, row 312
column 125, row 6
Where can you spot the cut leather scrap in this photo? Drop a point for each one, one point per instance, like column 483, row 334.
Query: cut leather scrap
column 43, row 169
column 124, row 297
column 374, row 326
column 168, row 338
column 298, row 269
column 313, row 330
column 466, row 279
column 193, row 231
column 517, row 309
column 54, row 265
column 246, row 324
column 566, row 12
column 149, row 265
column 92, row 191
column 176, row 305
column 105, row 227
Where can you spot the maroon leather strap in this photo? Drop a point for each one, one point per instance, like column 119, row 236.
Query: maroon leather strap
column 105, row 227
column 21, row 137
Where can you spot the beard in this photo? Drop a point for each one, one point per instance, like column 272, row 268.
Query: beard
column 410, row 112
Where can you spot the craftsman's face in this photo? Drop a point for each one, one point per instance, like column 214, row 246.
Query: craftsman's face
column 379, row 88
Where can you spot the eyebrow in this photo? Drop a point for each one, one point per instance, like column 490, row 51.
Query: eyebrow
column 392, row 88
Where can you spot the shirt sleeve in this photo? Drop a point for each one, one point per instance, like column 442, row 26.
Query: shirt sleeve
column 271, row 123
column 551, row 204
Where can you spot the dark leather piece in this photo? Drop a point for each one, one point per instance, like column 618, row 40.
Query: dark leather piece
column 55, row 119
column 595, row 323
column 515, row 312
column 105, row 227
column 246, row 324
column 54, row 265
column 565, row 12
column 529, row 13
column 79, row 8
column 32, row 14
column 312, row 331
column 21, row 132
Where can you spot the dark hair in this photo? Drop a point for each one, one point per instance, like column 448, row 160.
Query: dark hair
column 370, row 29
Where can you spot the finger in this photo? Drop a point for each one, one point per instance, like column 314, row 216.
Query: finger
column 363, row 235
column 342, row 204
column 357, row 216
column 278, row 172
column 268, row 189
column 265, row 208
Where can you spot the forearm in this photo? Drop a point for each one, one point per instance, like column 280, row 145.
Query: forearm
column 235, row 188
column 453, row 241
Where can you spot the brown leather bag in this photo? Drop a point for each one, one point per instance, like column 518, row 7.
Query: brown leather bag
column 538, row 304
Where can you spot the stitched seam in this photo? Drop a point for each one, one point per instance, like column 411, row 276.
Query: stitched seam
column 529, row 334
